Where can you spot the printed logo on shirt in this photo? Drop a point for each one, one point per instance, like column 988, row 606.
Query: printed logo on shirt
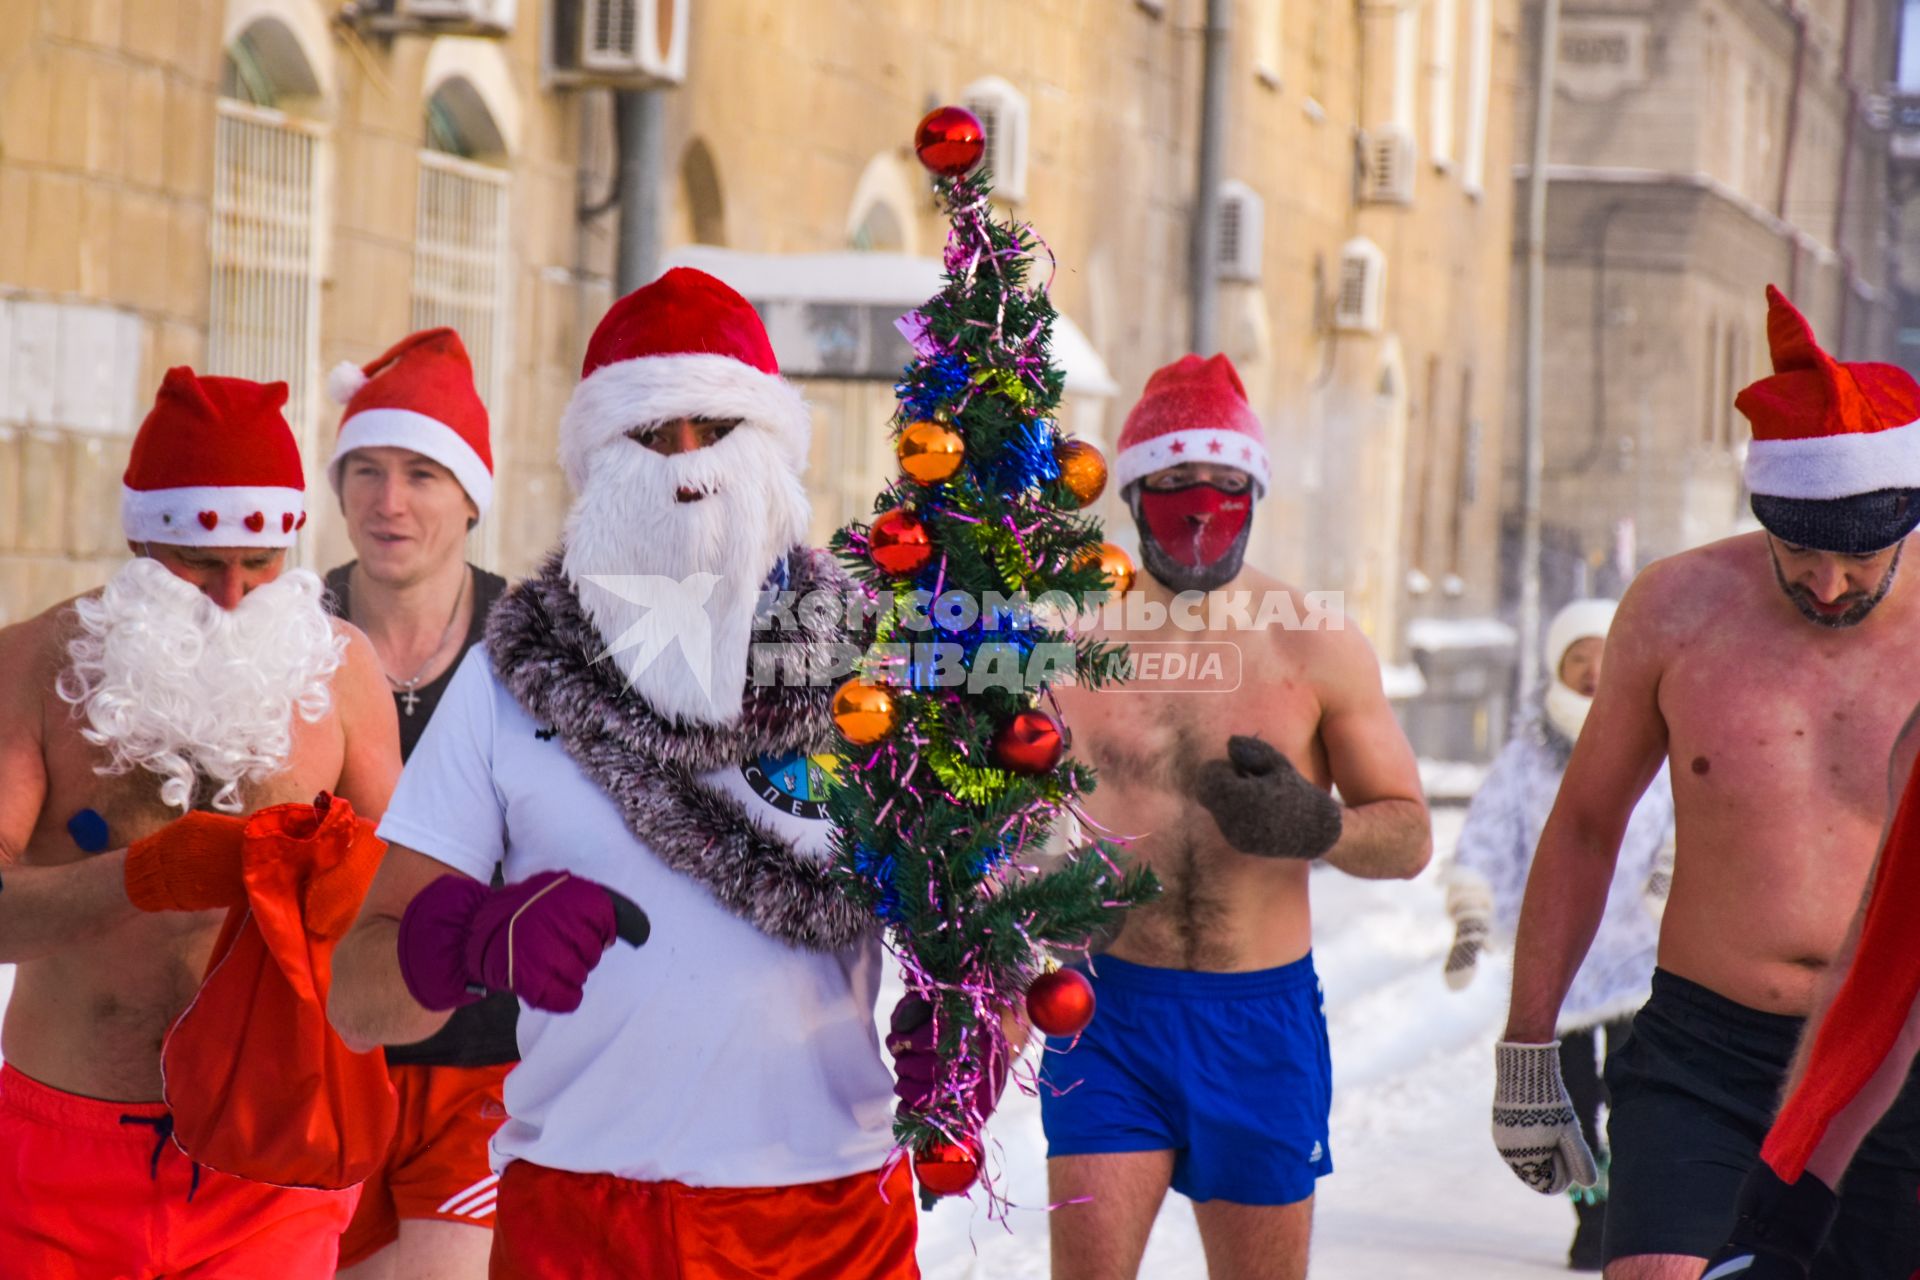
column 795, row 785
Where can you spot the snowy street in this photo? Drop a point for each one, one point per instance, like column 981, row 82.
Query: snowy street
column 1418, row 1191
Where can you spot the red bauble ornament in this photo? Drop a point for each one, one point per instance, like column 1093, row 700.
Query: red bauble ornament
column 950, row 141
column 1060, row 1003
column 1029, row 743
column 899, row 543
column 946, row 1168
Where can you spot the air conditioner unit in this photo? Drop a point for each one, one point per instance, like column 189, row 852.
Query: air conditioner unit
column 1389, row 164
column 1358, row 306
column 619, row 44
column 1242, row 230
column 1003, row 117
column 448, row 17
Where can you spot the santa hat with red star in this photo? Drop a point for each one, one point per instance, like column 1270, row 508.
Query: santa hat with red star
column 685, row 346
column 214, row 465
column 418, row 395
column 1194, row 410
column 1835, row 459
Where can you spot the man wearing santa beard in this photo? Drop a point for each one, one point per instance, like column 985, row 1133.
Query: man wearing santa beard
column 713, row 1103
column 138, row 723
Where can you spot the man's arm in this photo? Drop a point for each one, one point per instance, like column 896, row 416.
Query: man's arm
column 1385, row 833
column 370, row 1004
column 371, row 766
column 42, row 909
column 1618, row 753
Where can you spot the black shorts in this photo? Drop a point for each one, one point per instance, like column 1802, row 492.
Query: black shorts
column 1694, row 1090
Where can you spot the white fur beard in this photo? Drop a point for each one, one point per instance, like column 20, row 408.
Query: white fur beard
column 1567, row 709
column 170, row 682
column 628, row 522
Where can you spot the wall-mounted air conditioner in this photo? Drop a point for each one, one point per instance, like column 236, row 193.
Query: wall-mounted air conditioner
column 1390, row 162
column 1361, row 301
column 619, row 44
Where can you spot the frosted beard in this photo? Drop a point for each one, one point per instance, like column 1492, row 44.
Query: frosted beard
column 202, row 697
column 667, row 555
column 1567, row 709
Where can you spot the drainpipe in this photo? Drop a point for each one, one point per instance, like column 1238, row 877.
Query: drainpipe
column 1798, row 13
column 1206, row 204
column 1531, row 453
column 641, row 136
column 1846, row 172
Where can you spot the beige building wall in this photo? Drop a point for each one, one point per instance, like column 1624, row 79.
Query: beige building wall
column 792, row 135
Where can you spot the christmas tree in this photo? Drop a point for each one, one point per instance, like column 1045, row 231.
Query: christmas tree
column 980, row 560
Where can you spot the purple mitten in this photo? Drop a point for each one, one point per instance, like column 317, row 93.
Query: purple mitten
column 916, row 1060
column 539, row 939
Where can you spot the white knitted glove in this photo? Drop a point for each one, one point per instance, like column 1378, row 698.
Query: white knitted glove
column 1533, row 1121
column 1470, row 903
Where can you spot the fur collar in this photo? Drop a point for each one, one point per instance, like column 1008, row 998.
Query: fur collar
column 544, row 650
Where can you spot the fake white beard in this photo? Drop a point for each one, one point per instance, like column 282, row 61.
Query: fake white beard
column 170, row 682
column 1567, row 709
column 628, row 523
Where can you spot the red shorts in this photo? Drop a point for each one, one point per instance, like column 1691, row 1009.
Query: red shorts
column 555, row 1225
column 93, row 1190
column 438, row 1166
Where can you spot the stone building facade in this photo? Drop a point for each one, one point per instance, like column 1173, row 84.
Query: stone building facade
column 266, row 187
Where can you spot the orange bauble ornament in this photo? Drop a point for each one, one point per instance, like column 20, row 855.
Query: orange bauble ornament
column 1060, row 1002
column 930, row 452
column 863, row 713
column 1116, row 564
column 946, row 1168
column 1083, row 471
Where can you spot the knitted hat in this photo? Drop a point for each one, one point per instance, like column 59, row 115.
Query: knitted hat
column 1194, row 410
column 1576, row 622
column 214, row 465
column 685, row 346
column 419, row 396
column 1835, row 459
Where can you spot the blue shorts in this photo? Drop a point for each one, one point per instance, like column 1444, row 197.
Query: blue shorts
column 1229, row 1071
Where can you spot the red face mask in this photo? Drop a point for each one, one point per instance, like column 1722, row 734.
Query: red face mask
column 1195, row 525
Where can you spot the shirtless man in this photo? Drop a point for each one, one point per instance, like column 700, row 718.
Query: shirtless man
column 1773, row 670
column 119, row 711
column 1227, row 800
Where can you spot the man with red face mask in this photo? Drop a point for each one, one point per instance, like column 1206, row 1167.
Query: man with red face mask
column 1205, row 1068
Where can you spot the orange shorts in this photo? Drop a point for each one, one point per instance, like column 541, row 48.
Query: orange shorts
column 93, row 1190
column 438, row 1166
column 556, row 1225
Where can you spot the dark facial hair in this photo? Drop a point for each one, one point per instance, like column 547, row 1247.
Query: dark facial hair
column 1863, row 601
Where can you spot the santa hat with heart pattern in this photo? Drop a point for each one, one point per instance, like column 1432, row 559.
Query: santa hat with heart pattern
column 214, row 465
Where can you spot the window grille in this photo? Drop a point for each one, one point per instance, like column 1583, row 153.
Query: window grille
column 459, row 262
column 264, row 309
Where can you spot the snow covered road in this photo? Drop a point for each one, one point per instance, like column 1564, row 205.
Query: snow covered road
column 1418, row 1192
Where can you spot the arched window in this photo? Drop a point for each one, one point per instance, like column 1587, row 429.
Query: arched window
column 700, row 188
column 263, row 317
column 1003, row 114
column 460, row 232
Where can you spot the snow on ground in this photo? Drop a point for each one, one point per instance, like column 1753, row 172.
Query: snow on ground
column 1417, row 1190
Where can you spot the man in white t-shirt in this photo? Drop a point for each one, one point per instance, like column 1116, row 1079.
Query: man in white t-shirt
column 714, row 1102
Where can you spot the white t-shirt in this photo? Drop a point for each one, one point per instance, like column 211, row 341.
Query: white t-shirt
column 713, row 1055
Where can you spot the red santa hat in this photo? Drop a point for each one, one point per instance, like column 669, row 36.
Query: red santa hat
column 1836, row 447
column 419, row 395
column 214, row 465
column 1193, row 410
column 685, row 346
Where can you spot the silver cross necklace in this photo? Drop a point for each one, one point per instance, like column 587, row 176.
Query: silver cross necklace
column 405, row 690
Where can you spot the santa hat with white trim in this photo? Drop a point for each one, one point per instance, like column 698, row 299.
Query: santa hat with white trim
column 1193, row 410
column 214, row 465
column 1835, row 459
column 419, row 395
column 685, row 346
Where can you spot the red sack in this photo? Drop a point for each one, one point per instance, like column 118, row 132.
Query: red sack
column 260, row 1085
